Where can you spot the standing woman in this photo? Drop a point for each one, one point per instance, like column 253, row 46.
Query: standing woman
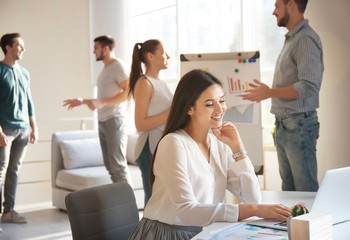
column 192, row 168
column 152, row 102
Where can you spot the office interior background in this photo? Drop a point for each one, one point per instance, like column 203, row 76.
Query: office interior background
column 58, row 36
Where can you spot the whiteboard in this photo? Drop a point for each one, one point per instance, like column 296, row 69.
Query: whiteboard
column 235, row 70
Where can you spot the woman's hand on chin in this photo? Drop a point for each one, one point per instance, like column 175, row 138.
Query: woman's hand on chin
column 228, row 134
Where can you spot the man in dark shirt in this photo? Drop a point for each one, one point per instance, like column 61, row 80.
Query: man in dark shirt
column 17, row 121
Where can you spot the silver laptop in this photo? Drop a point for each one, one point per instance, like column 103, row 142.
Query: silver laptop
column 332, row 198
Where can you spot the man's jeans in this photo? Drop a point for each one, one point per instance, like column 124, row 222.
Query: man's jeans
column 296, row 138
column 12, row 156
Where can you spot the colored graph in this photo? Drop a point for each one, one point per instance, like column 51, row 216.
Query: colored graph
column 237, row 85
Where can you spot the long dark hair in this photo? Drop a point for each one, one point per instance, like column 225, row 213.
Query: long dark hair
column 138, row 57
column 190, row 87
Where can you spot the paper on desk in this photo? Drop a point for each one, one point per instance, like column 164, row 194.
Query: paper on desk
column 206, row 234
column 222, row 229
column 244, row 231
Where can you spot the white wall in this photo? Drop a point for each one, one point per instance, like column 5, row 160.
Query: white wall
column 56, row 37
column 57, row 42
column 330, row 20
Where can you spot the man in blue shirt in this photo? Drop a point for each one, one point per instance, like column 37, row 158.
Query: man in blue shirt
column 17, row 121
column 295, row 97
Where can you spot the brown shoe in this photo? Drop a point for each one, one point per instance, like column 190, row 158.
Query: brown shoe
column 12, row 217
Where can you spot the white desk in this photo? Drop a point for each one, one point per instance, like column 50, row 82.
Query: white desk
column 340, row 231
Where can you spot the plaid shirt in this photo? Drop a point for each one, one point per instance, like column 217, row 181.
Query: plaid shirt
column 300, row 64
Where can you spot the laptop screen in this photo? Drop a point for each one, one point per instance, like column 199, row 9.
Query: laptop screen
column 333, row 195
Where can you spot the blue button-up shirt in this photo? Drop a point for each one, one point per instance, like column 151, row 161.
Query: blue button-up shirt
column 300, row 64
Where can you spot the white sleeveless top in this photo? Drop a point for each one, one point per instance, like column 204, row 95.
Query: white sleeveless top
column 159, row 102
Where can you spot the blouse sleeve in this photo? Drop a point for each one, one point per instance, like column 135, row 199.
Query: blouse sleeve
column 171, row 171
column 242, row 181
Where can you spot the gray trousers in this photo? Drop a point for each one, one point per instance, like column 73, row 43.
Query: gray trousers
column 12, row 156
column 113, row 141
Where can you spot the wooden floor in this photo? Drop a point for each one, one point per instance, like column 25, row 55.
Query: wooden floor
column 44, row 223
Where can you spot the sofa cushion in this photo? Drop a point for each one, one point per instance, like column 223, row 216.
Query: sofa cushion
column 81, row 153
column 81, row 178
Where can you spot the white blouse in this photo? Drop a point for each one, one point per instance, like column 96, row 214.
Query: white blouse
column 189, row 191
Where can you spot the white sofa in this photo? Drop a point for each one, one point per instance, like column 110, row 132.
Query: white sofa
column 77, row 164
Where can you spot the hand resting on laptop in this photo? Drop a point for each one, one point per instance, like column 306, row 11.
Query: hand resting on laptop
column 277, row 211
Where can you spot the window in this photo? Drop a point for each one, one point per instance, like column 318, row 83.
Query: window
column 157, row 22
column 269, row 39
column 207, row 26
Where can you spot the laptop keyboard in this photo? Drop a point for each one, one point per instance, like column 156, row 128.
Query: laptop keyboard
column 282, row 224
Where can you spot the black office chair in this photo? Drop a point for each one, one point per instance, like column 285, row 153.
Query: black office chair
column 102, row 213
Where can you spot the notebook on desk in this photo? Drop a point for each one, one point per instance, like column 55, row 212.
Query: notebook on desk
column 332, row 198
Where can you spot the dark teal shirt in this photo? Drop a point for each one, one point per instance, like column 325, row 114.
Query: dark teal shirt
column 15, row 99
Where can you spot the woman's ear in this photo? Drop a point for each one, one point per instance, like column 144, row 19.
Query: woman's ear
column 149, row 56
column 190, row 111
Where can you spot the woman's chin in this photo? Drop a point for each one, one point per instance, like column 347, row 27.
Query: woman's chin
column 217, row 124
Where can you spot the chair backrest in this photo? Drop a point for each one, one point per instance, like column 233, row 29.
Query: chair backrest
column 103, row 212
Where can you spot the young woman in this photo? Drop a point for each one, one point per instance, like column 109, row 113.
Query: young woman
column 152, row 102
column 193, row 167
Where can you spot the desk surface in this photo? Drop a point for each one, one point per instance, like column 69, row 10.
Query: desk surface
column 340, row 231
column 288, row 198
